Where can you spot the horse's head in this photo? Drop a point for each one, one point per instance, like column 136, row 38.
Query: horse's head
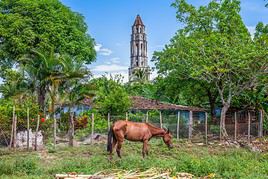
column 167, row 138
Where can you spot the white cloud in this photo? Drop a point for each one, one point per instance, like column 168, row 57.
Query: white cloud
column 251, row 30
column 115, row 60
column 102, row 51
column 109, row 68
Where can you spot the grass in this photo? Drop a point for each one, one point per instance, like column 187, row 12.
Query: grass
column 197, row 160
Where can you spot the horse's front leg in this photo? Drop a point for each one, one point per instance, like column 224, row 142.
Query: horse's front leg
column 145, row 148
column 120, row 138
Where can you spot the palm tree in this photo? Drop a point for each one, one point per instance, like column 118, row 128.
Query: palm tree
column 140, row 75
column 48, row 72
column 74, row 89
column 15, row 88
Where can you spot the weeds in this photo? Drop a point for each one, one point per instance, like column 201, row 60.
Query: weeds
column 197, row 160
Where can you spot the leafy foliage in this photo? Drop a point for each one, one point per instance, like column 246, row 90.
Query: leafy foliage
column 214, row 48
column 42, row 25
column 111, row 96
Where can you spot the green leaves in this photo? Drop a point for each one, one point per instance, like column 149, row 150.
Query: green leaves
column 111, row 96
column 215, row 50
column 41, row 25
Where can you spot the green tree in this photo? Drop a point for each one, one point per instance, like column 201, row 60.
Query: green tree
column 42, row 25
column 180, row 89
column 215, row 48
column 140, row 75
column 111, row 96
column 14, row 86
column 147, row 90
column 73, row 91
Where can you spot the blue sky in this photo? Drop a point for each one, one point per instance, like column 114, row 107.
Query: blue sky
column 110, row 21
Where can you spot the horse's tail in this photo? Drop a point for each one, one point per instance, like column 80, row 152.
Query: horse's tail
column 111, row 137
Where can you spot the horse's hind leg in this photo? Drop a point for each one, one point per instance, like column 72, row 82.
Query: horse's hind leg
column 113, row 146
column 118, row 148
column 145, row 148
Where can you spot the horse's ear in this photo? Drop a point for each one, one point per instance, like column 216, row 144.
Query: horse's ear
column 165, row 129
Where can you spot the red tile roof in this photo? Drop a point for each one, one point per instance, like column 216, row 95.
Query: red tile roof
column 141, row 103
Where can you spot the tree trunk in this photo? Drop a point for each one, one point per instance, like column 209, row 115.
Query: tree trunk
column 212, row 103
column 54, row 130
column 224, row 110
column 41, row 97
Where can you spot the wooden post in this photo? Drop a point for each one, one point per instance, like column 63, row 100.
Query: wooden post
column 161, row 120
column 249, row 126
column 220, row 130
column 55, row 130
column 36, row 133
column 126, row 116
column 261, row 124
column 109, row 119
column 15, row 132
column 190, row 125
column 147, row 116
column 235, row 134
column 92, row 127
column 11, row 135
column 28, row 129
column 71, row 129
column 178, row 125
column 206, row 128
column 12, row 129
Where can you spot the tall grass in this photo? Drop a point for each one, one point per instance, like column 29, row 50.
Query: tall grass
column 197, row 160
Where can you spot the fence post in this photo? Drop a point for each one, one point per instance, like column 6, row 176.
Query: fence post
column 190, row 125
column 12, row 128
column 206, row 128
column 36, row 133
column 109, row 119
column 178, row 126
column 261, row 124
column 248, row 126
column 235, row 134
column 55, row 130
column 147, row 116
column 71, row 128
column 161, row 120
column 220, row 130
column 28, row 129
column 15, row 132
column 126, row 116
column 92, row 127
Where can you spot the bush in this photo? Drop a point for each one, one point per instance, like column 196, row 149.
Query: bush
column 100, row 123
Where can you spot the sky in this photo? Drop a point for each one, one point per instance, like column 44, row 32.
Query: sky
column 109, row 23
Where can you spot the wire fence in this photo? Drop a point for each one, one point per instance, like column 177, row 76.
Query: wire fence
column 34, row 129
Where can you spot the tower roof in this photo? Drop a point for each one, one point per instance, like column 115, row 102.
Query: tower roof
column 138, row 21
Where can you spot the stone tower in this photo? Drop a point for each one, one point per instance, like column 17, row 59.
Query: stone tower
column 139, row 69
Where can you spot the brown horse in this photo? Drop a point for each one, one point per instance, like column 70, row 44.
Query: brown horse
column 135, row 131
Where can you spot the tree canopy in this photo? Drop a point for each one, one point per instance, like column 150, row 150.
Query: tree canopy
column 42, row 25
column 214, row 48
column 111, row 96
